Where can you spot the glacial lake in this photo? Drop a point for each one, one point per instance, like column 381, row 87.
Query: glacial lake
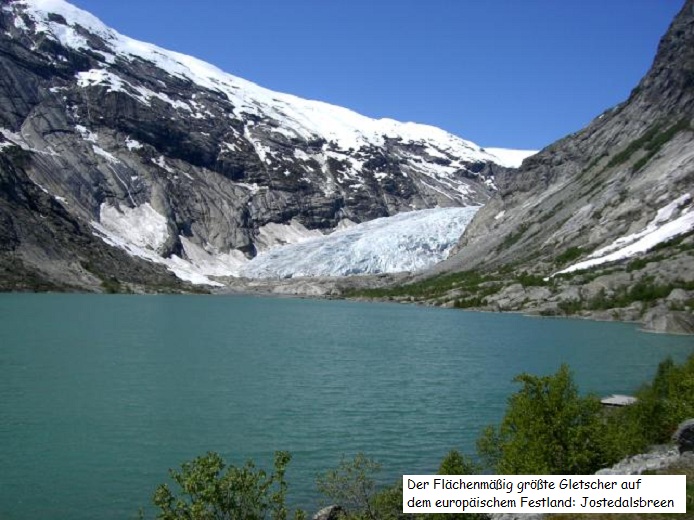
column 100, row 395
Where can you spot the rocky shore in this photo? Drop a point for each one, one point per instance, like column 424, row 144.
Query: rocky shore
column 671, row 314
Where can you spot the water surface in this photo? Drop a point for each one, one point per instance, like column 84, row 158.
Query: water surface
column 100, row 395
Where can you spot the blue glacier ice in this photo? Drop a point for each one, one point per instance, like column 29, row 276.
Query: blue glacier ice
column 409, row 241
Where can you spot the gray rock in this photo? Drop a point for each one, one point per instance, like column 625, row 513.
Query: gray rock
column 684, row 436
column 658, row 458
column 679, row 296
column 538, row 293
column 517, row 516
column 333, row 512
column 570, row 294
column 663, row 320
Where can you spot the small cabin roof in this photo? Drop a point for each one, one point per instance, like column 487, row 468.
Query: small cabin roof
column 618, row 400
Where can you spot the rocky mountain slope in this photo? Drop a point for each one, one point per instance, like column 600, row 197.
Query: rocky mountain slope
column 599, row 223
column 174, row 161
column 607, row 181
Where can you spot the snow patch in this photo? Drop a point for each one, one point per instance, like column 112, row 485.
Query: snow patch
column 141, row 226
column 661, row 229
column 17, row 140
column 273, row 235
column 182, row 269
column 103, row 153
column 209, row 261
column 132, row 144
column 87, row 134
column 141, row 232
column 253, row 188
column 102, row 77
column 95, row 77
column 19, row 23
column 161, row 162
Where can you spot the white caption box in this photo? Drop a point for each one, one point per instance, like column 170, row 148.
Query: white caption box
column 544, row 494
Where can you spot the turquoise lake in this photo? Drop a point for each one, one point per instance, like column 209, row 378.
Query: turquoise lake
column 100, row 395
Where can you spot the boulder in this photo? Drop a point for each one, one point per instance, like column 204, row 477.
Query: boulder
column 684, row 436
column 333, row 512
column 661, row 319
column 679, row 296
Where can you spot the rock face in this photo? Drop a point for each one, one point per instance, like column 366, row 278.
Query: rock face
column 684, row 436
column 329, row 513
column 611, row 190
column 36, row 229
column 170, row 158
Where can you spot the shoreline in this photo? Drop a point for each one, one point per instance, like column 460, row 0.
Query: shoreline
column 333, row 289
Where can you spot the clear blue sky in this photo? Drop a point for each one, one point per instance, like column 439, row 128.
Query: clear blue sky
column 510, row 73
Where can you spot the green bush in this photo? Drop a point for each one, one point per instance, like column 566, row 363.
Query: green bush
column 571, row 254
column 468, row 303
column 663, row 404
column 432, row 287
column 352, row 486
column 651, row 141
column 513, row 237
column 548, row 429
column 208, row 489
column 455, row 463
column 637, row 264
column 111, row 285
column 531, row 280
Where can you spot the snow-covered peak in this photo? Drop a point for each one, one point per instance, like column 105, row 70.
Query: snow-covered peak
column 301, row 118
column 509, row 158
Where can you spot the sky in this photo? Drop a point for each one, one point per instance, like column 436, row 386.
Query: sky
column 503, row 73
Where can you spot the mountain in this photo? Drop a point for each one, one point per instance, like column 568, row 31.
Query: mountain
column 173, row 161
column 601, row 222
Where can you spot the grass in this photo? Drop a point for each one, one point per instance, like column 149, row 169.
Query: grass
column 571, row 254
column 433, row 287
column 111, row 285
column 514, row 237
column 633, row 147
column 472, row 287
column 652, row 141
column 531, row 280
column 594, row 162
column 653, row 146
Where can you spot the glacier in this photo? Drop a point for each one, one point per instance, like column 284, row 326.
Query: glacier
column 409, row 241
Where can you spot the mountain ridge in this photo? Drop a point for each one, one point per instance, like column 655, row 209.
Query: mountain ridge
column 117, row 130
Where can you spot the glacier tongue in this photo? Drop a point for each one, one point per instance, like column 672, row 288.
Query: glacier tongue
column 405, row 242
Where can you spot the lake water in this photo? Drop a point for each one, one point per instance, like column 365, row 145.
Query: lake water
column 100, row 395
